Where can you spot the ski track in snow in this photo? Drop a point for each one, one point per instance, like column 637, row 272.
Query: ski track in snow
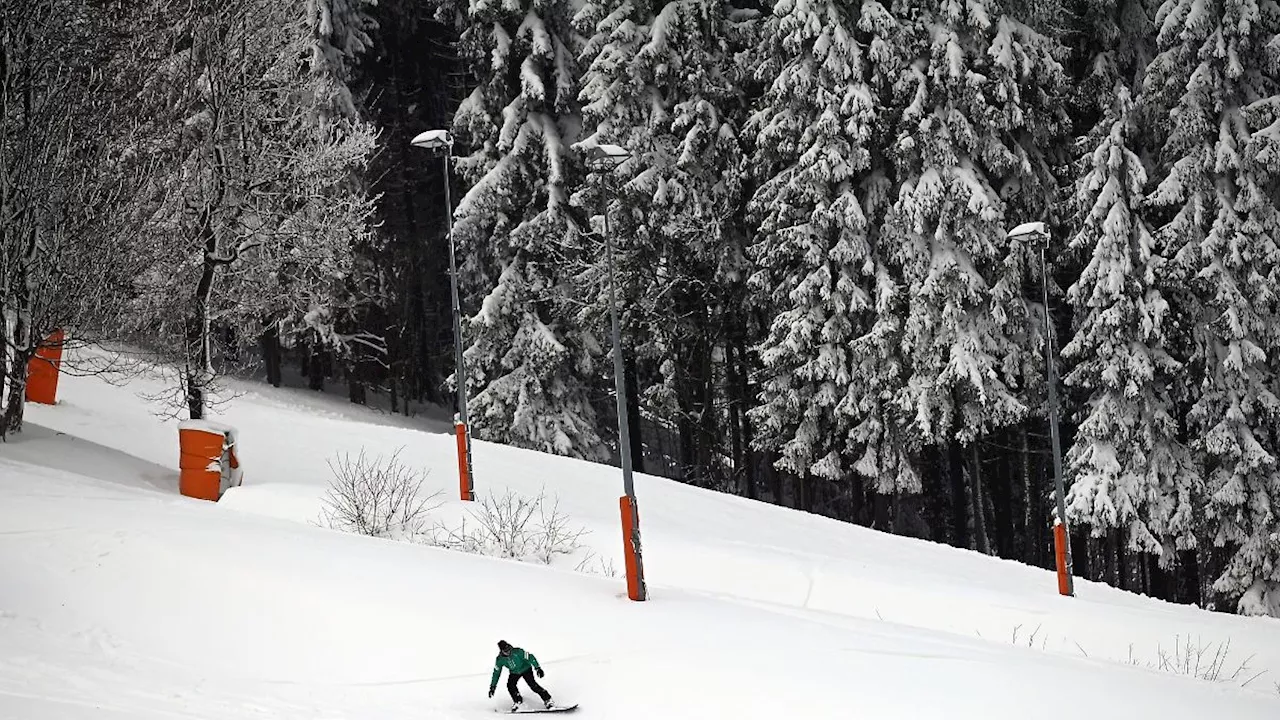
column 121, row 599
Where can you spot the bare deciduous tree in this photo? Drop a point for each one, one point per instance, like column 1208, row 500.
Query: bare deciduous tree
column 63, row 198
column 255, row 217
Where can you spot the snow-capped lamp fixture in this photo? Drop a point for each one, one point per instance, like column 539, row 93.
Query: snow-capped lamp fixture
column 433, row 140
column 605, row 156
column 605, row 159
column 1061, row 538
column 441, row 140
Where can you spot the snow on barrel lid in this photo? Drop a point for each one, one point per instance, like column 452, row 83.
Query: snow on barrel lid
column 207, row 426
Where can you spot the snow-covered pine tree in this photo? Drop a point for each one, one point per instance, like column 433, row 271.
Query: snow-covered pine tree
column 664, row 84
column 829, row 356
column 1117, row 43
column 528, row 364
column 1128, row 466
column 979, row 110
column 1215, row 78
column 341, row 35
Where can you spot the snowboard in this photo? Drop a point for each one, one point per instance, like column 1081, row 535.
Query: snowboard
column 522, row 711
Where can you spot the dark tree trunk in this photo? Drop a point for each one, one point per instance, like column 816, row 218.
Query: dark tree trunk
column 19, row 342
column 356, row 388
column 935, row 490
column 775, row 478
column 199, row 356
column 1114, row 570
column 737, row 411
column 709, row 440
column 1002, row 501
column 883, row 512
column 198, row 360
column 316, row 367
column 23, row 340
column 687, row 423
column 959, row 496
column 739, row 402
column 750, row 458
column 1162, row 583
column 4, row 332
column 738, row 481
column 1187, row 579
column 1206, row 573
column 271, row 354
column 15, row 406
column 196, row 356
column 688, row 471
column 982, row 542
column 857, row 500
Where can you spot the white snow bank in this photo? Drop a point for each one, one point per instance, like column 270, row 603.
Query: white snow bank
column 120, row 602
column 842, row 619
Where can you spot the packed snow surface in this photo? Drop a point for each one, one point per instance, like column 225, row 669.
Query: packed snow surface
column 121, row 599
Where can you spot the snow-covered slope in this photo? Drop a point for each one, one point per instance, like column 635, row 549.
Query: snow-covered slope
column 121, row 599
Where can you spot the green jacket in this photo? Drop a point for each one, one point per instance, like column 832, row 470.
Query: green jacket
column 518, row 663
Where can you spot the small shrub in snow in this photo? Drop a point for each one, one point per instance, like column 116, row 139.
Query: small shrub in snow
column 377, row 497
column 597, row 565
column 1203, row 661
column 1030, row 639
column 512, row 526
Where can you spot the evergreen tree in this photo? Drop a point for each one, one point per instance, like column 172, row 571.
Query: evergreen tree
column 1117, row 44
column 978, row 109
column 1215, row 79
column 341, row 36
column 828, row 357
column 528, row 363
column 1129, row 468
column 664, row 85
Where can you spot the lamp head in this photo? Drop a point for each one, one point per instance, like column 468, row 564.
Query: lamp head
column 1029, row 229
column 605, row 156
column 432, row 140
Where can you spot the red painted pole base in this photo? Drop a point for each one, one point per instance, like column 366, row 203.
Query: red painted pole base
column 1060, row 553
column 464, row 466
column 631, row 548
column 42, row 371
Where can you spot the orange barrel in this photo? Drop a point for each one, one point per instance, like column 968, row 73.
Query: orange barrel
column 42, row 370
column 200, row 460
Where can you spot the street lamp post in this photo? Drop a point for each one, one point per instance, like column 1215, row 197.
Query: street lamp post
column 1061, row 536
column 441, row 140
column 606, row 158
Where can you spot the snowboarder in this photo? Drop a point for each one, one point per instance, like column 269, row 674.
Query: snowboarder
column 520, row 664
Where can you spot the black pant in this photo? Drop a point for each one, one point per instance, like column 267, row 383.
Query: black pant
column 513, row 678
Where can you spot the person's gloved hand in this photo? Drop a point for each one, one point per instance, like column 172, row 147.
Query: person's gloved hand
column 540, row 672
column 490, row 692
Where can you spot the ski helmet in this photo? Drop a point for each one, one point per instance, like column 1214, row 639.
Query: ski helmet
column 504, row 647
